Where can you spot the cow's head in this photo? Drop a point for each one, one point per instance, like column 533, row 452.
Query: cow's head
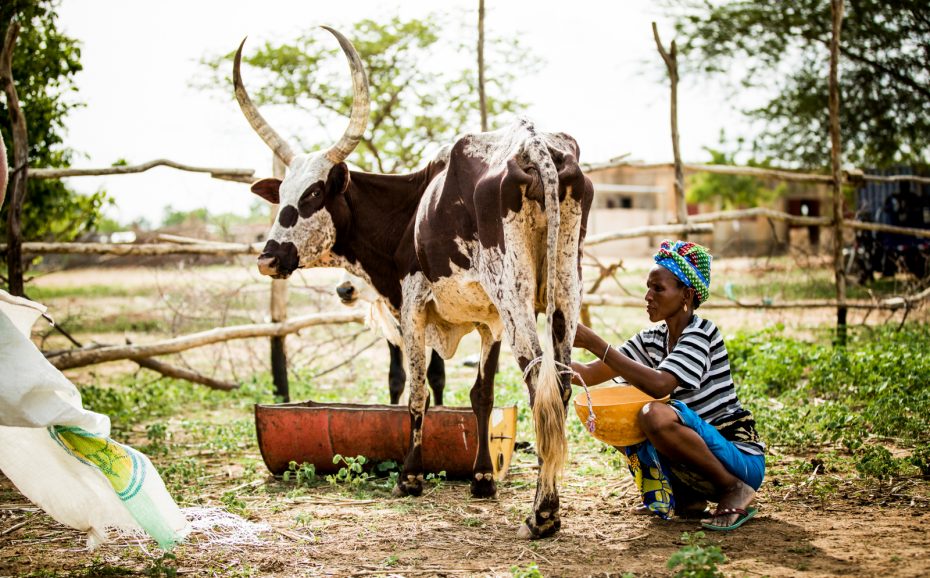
column 312, row 205
column 352, row 289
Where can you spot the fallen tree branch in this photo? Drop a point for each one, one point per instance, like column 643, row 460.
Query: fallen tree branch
column 91, row 356
column 185, row 374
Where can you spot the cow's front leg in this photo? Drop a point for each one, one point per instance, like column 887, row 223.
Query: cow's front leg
column 436, row 376
column 413, row 329
column 482, row 403
column 397, row 378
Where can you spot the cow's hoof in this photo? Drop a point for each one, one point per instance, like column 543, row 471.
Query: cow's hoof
column 483, row 486
column 532, row 530
column 412, row 486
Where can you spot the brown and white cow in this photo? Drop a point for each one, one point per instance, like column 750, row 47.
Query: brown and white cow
column 486, row 236
column 353, row 291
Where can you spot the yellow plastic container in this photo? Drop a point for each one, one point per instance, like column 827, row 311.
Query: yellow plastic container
column 615, row 410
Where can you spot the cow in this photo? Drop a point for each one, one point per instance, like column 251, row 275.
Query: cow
column 483, row 238
column 352, row 290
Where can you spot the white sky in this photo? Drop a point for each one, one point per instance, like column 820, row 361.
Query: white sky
column 601, row 81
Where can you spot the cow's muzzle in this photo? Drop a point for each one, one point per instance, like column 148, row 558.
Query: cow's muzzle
column 278, row 260
column 347, row 293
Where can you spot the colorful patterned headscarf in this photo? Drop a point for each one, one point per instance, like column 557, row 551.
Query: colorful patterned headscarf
column 689, row 262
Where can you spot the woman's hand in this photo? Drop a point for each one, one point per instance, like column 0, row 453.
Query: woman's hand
column 587, row 339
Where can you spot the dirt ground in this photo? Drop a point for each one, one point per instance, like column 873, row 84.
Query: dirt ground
column 328, row 532
column 857, row 530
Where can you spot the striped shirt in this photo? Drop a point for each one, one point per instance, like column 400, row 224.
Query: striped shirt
column 700, row 363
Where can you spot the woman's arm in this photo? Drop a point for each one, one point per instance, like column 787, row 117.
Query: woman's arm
column 654, row 382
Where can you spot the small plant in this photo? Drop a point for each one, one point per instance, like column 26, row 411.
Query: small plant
column 877, row 462
column 303, row 519
column 234, row 504
column 436, row 479
column 352, row 472
column 530, row 571
column 164, row 567
column 390, row 561
column 696, row 559
column 303, row 475
column 473, row 522
column 920, row 459
column 157, row 434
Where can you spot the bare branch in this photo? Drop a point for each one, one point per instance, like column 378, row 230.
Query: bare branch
column 219, row 173
column 185, row 374
column 647, row 231
column 80, row 358
column 147, row 249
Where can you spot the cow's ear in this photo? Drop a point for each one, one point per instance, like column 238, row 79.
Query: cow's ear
column 338, row 179
column 268, row 190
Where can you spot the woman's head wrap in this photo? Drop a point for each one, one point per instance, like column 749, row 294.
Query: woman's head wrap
column 689, row 262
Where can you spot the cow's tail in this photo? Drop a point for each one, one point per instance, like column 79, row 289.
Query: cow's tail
column 548, row 406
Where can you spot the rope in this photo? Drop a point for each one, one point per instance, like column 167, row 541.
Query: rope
column 565, row 369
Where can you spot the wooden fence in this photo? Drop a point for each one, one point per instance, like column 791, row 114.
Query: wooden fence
column 697, row 224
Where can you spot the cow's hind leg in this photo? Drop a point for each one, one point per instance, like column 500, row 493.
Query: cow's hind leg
column 482, row 402
column 413, row 329
column 545, row 520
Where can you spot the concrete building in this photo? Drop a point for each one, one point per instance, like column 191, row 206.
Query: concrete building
column 631, row 194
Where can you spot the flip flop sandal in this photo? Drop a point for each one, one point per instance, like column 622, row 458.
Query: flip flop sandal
column 742, row 517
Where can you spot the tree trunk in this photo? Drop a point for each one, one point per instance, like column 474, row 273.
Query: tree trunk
column 20, row 145
column 835, row 160
column 671, row 62
column 481, row 96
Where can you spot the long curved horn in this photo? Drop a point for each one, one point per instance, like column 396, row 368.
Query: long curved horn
column 361, row 103
column 258, row 122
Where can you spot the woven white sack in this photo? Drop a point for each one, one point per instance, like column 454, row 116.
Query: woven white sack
column 40, row 413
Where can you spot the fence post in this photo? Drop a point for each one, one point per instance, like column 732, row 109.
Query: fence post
column 279, row 314
column 671, row 62
column 836, row 9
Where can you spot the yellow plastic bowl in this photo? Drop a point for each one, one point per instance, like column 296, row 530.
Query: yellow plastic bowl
column 615, row 409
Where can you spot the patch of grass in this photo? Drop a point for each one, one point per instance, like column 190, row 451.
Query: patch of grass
column 696, row 559
column 528, row 571
column 123, row 322
column 129, row 403
column 805, row 394
column 164, row 567
column 46, row 293
column 183, row 476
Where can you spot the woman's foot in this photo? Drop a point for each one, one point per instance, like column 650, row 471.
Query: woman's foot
column 737, row 497
column 692, row 510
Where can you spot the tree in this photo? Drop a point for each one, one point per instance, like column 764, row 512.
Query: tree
column 783, row 47
column 731, row 191
column 45, row 62
column 413, row 106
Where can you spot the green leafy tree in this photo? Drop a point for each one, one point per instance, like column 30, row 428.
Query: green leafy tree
column 783, row 48
column 414, row 104
column 731, row 191
column 45, row 62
